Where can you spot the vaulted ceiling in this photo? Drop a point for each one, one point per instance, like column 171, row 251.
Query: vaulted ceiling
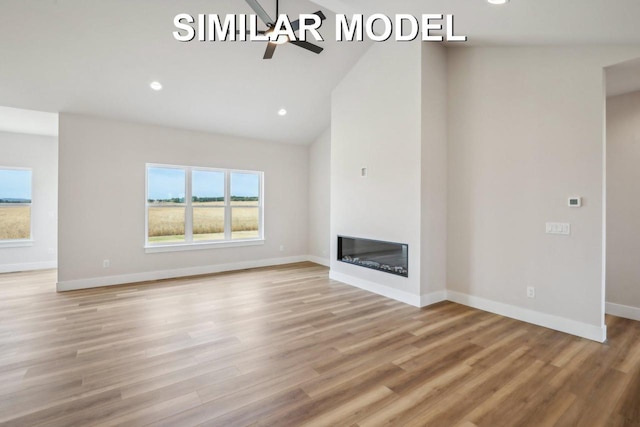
column 98, row 57
column 520, row 22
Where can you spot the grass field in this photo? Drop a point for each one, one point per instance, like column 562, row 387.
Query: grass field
column 15, row 222
column 166, row 224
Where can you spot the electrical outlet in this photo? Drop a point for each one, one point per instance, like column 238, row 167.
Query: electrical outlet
column 281, row 248
column 558, row 228
column 106, row 263
column 531, row 292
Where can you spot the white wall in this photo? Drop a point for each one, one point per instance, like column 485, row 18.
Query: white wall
column 39, row 153
column 18, row 120
column 102, row 199
column 434, row 172
column 376, row 123
column 526, row 130
column 319, row 197
column 623, row 205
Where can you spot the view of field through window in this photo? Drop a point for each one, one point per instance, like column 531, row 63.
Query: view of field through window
column 15, row 204
column 167, row 207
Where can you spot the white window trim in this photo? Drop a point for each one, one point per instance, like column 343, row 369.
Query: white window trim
column 20, row 243
column 17, row 243
column 189, row 244
column 198, row 246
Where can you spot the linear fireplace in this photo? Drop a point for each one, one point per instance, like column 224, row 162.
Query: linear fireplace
column 388, row 257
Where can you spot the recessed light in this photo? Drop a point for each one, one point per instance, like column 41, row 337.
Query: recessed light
column 156, row 86
column 498, row 1
column 282, row 112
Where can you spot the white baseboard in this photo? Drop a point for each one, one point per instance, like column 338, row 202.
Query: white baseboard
column 386, row 291
column 432, row 298
column 28, row 266
column 625, row 311
column 550, row 321
column 97, row 282
column 376, row 288
column 319, row 260
column 557, row 323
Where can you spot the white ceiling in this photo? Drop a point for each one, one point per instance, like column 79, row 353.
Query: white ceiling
column 521, row 22
column 98, row 57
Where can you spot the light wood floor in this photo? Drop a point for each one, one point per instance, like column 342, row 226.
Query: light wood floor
column 286, row 347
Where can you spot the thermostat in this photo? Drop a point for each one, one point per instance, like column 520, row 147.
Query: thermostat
column 575, row 202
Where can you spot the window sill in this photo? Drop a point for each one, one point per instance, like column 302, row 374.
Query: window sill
column 152, row 249
column 15, row 243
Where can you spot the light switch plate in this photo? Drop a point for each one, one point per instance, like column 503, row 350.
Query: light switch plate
column 558, row 228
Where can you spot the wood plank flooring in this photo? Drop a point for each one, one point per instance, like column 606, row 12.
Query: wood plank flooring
column 286, row 346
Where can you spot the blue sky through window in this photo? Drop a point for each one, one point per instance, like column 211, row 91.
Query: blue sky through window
column 208, row 184
column 15, row 184
column 165, row 183
column 245, row 185
column 168, row 183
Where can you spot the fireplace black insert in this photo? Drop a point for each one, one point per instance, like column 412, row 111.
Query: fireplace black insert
column 388, row 257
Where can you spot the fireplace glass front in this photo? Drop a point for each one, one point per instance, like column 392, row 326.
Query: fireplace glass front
column 388, row 257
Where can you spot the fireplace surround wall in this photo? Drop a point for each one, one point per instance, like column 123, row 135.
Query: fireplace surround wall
column 388, row 257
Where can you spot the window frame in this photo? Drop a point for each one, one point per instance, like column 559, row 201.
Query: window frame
column 14, row 243
column 189, row 243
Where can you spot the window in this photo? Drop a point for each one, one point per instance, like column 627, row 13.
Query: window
column 15, row 204
column 191, row 206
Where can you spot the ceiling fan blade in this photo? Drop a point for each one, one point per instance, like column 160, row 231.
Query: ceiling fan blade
column 306, row 45
column 261, row 12
column 271, row 48
column 296, row 24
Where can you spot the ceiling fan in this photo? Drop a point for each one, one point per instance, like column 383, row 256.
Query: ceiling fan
column 271, row 46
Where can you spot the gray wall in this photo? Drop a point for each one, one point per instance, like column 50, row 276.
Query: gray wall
column 319, row 197
column 102, row 199
column 434, row 172
column 39, row 153
column 526, row 129
column 376, row 123
column 623, row 205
